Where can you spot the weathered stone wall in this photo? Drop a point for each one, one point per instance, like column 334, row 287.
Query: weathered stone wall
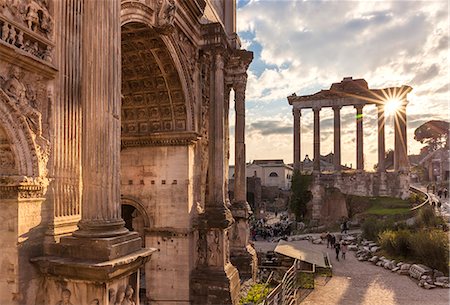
column 161, row 178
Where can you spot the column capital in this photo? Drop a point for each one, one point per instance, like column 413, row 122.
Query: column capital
column 240, row 82
column 316, row 108
column 336, row 107
column 297, row 111
column 359, row 106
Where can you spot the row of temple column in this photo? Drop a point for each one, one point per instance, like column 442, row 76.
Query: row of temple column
column 400, row 151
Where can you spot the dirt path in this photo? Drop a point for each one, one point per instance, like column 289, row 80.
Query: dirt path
column 361, row 283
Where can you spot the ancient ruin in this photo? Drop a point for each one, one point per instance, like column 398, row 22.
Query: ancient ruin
column 114, row 152
column 355, row 93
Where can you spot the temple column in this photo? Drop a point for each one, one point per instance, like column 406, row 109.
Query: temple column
column 382, row 190
column 337, row 138
column 381, row 139
column 359, row 138
column 401, row 162
column 316, row 162
column 297, row 138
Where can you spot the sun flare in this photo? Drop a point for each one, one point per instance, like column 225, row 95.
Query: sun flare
column 392, row 106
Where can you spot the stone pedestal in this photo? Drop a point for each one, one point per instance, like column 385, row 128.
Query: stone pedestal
column 382, row 190
column 242, row 253
column 215, row 280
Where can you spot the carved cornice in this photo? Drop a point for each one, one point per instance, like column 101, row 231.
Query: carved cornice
column 21, row 191
column 214, row 37
column 162, row 139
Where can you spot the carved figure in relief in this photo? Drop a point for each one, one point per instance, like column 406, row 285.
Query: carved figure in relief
column 120, row 297
column 19, row 41
column 201, row 258
column 128, row 296
column 166, row 14
column 111, row 296
column 32, row 17
column 11, row 36
column 13, row 87
column 5, row 31
column 65, row 297
column 47, row 55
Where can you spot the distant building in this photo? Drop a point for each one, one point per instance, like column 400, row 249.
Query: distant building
column 326, row 164
column 272, row 172
column 436, row 165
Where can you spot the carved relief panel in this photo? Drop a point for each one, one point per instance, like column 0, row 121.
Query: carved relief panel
column 7, row 160
column 28, row 26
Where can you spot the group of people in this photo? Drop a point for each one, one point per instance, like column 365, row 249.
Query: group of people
column 441, row 192
column 340, row 246
column 261, row 229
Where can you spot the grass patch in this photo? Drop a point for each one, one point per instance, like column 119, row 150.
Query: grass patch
column 380, row 211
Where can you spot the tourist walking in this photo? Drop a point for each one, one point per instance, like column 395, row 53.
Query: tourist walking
column 445, row 193
column 337, row 247
column 333, row 241
column 343, row 248
column 328, row 236
column 440, row 193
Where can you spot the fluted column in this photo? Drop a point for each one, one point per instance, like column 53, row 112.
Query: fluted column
column 240, row 183
column 381, row 139
column 400, row 142
column 217, row 160
column 359, row 138
column 297, row 138
column 316, row 162
column 101, row 101
column 337, row 137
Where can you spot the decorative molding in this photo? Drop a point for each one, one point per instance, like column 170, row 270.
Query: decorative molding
column 162, row 139
column 22, row 191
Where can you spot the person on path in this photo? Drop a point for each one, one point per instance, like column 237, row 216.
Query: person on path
column 333, row 241
column 445, row 193
column 328, row 236
column 440, row 193
column 343, row 248
column 337, row 247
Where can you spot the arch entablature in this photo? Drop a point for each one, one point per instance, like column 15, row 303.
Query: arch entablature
column 27, row 153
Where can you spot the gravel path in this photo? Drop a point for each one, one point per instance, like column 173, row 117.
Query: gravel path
column 361, row 283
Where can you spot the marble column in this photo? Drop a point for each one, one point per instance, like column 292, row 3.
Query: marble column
column 401, row 162
column 243, row 255
column 101, row 102
column 382, row 189
column 297, row 138
column 381, row 139
column 316, row 162
column 240, row 182
column 213, row 241
column 359, row 138
column 337, row 138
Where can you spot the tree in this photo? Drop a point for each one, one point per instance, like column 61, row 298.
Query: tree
column 301, row 194
column 434, row 134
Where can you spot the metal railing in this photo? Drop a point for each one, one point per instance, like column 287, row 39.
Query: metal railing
column 418, row 191
column 286, row 292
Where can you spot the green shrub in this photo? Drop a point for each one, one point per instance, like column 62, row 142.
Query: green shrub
column 372, row 227
column 255, row 295
column 429, row 247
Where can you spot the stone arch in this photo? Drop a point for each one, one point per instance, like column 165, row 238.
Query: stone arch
column 151, row 61
column 137, row 204
column 20, row 137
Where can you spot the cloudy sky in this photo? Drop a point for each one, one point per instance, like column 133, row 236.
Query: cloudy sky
column 305, row 46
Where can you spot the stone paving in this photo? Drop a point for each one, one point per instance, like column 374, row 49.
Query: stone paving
column 362, row 283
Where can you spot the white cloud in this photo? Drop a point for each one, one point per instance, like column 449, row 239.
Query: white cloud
column 305, row 46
